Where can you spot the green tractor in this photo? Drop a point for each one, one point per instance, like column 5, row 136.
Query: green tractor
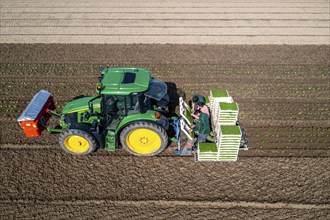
column 131, row 110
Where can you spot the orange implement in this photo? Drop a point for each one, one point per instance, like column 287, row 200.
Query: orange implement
column 35, row 117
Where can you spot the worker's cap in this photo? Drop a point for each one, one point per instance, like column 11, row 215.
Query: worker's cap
column 195, row 98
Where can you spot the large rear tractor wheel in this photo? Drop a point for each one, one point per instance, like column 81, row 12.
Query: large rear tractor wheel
column 143, row 139
column 77, row 142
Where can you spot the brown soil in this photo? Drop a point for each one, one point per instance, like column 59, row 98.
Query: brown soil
column 162, row 54
column 282, row 92
column 58, row 182
column 106, row 209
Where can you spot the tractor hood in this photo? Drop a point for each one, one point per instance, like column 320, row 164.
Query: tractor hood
column 80, row 104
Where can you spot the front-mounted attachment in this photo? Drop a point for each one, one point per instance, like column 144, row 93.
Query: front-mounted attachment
column 35, row 117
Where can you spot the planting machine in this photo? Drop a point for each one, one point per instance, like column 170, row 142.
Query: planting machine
column 131, row 109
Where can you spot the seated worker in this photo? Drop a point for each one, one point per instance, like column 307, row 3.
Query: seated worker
column 196, row 99
column 203, row 108
column 202, row 126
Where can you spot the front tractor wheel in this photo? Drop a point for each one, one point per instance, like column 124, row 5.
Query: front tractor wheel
column 77, row 142
column 143, row 139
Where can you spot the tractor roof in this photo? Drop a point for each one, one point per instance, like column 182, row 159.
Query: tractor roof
column 123, row 81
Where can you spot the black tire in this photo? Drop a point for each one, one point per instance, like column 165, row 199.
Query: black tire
column 84, row 143
column 155, row 144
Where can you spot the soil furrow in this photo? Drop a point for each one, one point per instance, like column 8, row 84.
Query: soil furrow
column 157, row 54
column 177, row 203
column 111, row 210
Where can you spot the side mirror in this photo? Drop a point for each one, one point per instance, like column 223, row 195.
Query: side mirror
column 90, row 106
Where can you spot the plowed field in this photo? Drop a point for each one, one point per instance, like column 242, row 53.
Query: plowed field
column 239, row 22
column 283, row 95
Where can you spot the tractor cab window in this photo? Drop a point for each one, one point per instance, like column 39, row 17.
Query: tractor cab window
column 116, row 104
column 157, row 89
column 128, row 104
column 109, row 104
column 115, row 107
column 132, row 102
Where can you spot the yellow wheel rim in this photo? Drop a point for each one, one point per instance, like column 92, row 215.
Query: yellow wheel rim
column 143, row 141
column 76, row 144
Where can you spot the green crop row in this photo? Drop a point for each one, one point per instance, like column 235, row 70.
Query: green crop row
column 308, row 141
column 290, row 135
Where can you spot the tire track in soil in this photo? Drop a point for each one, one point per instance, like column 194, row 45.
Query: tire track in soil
column 169, row 152
column 177, row 203
column 113, row 210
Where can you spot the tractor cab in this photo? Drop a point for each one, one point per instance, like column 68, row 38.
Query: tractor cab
column 129, row 91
